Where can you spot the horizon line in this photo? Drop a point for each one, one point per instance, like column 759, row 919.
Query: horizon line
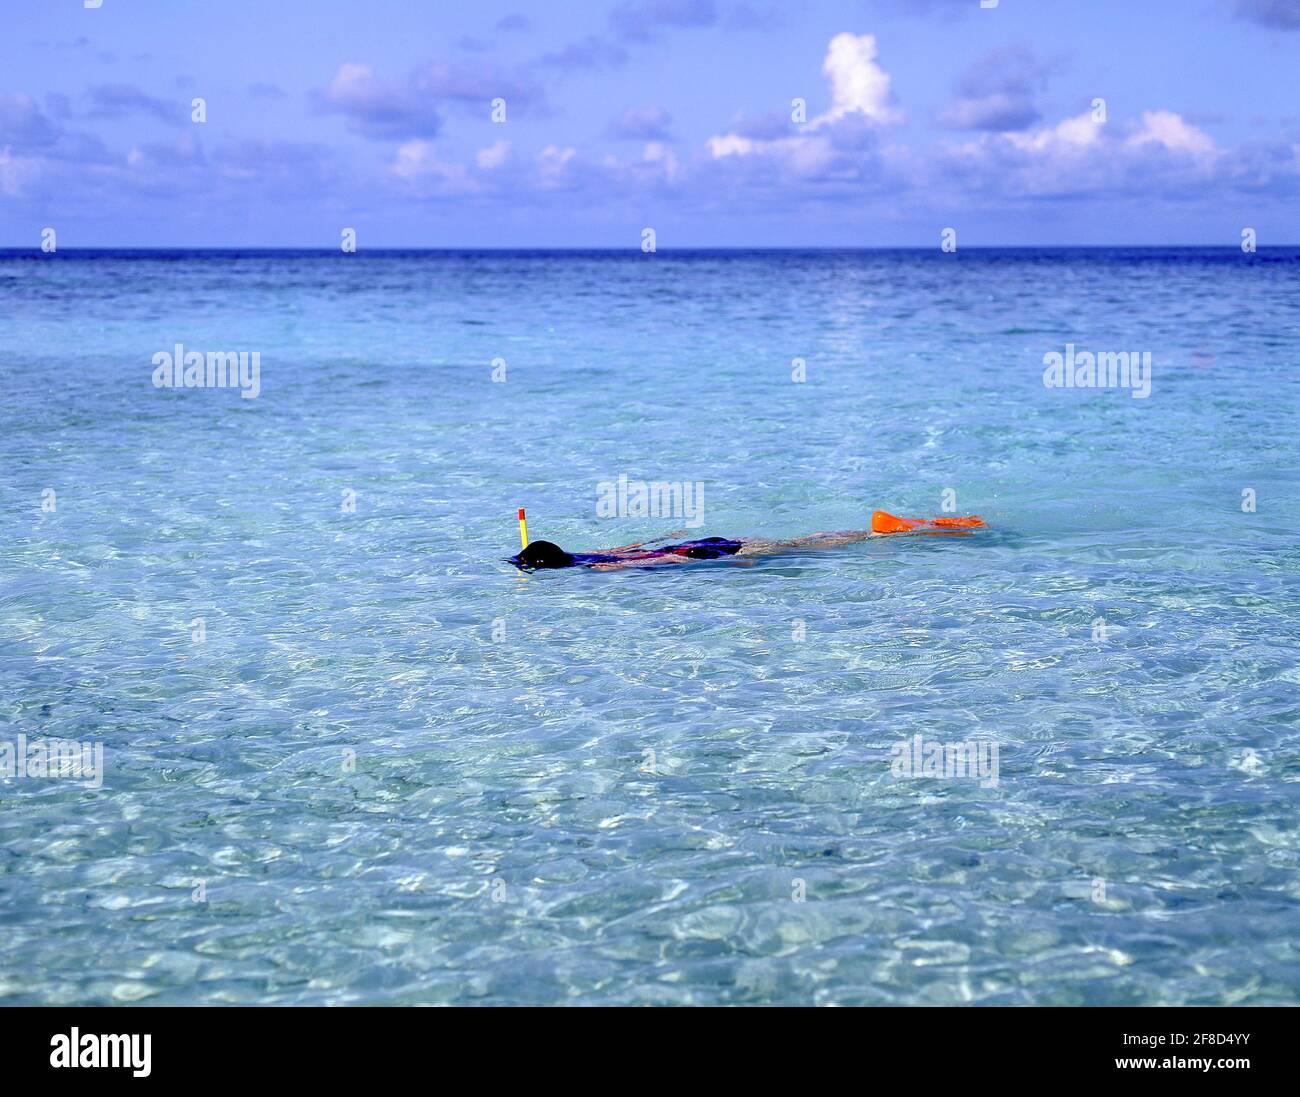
column 633, row 249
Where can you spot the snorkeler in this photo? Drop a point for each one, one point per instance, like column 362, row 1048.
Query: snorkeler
column 545, row 554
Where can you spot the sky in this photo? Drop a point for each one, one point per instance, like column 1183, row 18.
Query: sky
column 717, row 123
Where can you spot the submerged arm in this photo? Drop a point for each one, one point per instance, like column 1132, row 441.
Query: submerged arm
column 643, row 562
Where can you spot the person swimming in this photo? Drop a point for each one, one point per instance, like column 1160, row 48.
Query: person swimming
column 541, row 555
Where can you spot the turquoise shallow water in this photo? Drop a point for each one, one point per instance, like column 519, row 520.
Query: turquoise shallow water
column 406, row 773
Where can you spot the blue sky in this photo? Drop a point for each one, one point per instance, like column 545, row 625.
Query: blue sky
column 671, row 114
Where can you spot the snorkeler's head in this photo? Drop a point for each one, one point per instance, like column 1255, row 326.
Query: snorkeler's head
column 542, row 554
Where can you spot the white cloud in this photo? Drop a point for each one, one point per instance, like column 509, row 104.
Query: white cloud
column 417, row 163
column 1160, row 127
column 552, row 164
column 733, row 145
column 353, row 83
column 16, row 172
column 415, row 158
column 1164, row 127
column 1079, row 156
column 800, row 155
column 859, row 92
column 1068, row 136
column 661, row 156
column 858, row 84
column 493, row 156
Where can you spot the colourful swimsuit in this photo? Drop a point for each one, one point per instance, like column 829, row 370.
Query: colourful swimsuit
column 707, row 548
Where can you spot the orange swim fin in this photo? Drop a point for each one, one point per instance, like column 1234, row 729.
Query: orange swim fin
column 887, row 523
column 970, row 521
column 882, row 522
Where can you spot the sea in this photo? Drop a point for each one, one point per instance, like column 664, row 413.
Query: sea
column 347, row 753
